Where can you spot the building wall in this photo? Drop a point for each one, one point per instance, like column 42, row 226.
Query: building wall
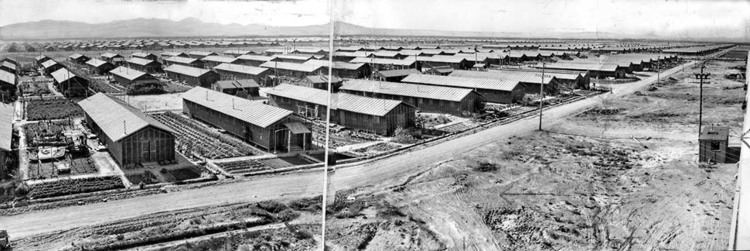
column 470, row 104
column 229, row 75
column 706, row 153
column 206, row 80
column 153, row 67
column 299, row 107
column 249, row 62
column 130, row 150
column 262, row 137
column 402, row 116
column 102, row 69
column 74, row 87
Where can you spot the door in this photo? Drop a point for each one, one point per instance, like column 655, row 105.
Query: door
column 145, row 150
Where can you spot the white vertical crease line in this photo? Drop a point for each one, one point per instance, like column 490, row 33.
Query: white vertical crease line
column 327, row 128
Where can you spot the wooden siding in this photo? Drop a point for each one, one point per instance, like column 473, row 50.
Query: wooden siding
column 150, row 144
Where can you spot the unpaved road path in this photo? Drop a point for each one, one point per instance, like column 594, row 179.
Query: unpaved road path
column 385, row 172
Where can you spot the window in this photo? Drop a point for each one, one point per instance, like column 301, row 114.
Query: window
column 715, row 146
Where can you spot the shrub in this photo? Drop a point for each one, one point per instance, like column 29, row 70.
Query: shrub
column 485, row 166
column 403, row 136
column 272, row 206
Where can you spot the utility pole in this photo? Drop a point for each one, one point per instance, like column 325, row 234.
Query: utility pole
column 701, row 76
column 658, row 69
column 541, row 97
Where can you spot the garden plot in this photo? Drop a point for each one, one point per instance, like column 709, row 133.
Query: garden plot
column 46, row 109
column 152, row 173
column 34, row 86
column 244, row 167
column 194, row 139
column 340, row 136
column 72, row 186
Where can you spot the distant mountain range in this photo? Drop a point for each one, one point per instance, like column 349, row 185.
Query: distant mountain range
column 191, row 27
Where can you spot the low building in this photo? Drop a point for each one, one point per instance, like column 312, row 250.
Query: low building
column 244, row 88
column 9, row 67
column 292, row 69
column 713, row 144
column 291, row 58
column 594, row 70
column 78, row 58
column 70, row 84
column 253, row 60
column 169, row 54
column 6, row 136
column 213, row 61
column 529, row 81
column 381, row 116
column 99, row 67
column 8, row 87
column 344, row 69
column 268, row 127
column 192, row 62
column 493, row 90
column 51, row 66
column 132, row 78
column 201, row 54
column 40, row 59
column 321, row 82
column 393, row 75
column 131, row 136
column 437, row 99
column 191, row 75
column 146, row 55
column 113, row 58
column 235, row 71
column 437, row 61
column 144, row 64
column 381, row 64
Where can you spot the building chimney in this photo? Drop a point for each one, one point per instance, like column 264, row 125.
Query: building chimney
column 124, row 127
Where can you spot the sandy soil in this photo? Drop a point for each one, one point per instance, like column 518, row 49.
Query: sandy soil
column 622, row 175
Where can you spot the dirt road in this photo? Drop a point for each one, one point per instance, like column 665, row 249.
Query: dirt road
column 386, row 172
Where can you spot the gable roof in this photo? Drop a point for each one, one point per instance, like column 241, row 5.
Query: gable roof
column 7, row 77
column 461, row 82
column 385, row 61
column 244, row 69
column 110, row 55
column 77, row 56
column 406, row 89
column 117, row 119
column 62, row 75
column 173, row 54
column 129, row 74
column 237, row 83
column 142, row 55
column 336, row 64
column 260, row 58
column 6, row 126
column 201, row 53
column 96, row 62
column 255, row 113
column 219, row 59
column 518, row 76
column 49, row 63
column 339, row 101
column 181, row 60
column 291, row 66
column 186, row 70
column 140, row 61
column 322, row 79
column 397, row 73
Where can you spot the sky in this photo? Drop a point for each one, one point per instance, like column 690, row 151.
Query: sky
column 680, row 18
